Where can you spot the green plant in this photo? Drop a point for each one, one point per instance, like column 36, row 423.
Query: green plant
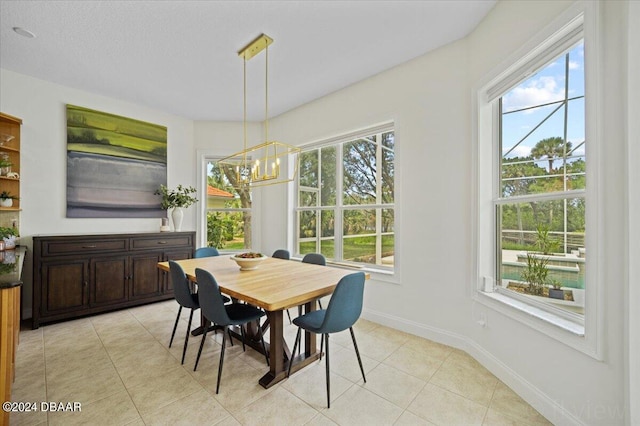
column 5, row 163
column 535, row 274
column 555, row 284
column 5, row 195
column 544, row 242
column 8, row 232
column 179, row 197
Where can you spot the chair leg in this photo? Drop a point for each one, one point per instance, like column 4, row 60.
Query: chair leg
column 295, row 344
column 242, row 335
column 186, row 338
column 224, row 341
column 204, row 335
column 321, row 345
column 326, row 337
column 355, row 345
column 289, row 315
column 319, row 304
column 229, row 333
column 175, row 326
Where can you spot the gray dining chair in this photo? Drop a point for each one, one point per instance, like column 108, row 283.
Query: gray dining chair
column 206, row 252
column 184, row 297
column 214, row 309
column 343, row 311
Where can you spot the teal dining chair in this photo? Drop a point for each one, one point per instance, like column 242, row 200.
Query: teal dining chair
column 343, row 311
column 283, row 254
column 184, row 297
column 206, row 252
column 214, row 309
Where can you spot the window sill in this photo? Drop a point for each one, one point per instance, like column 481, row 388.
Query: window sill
column 531, row 312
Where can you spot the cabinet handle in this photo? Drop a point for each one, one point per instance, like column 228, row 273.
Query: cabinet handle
column 162, row 242
column 84, row 284
column 91, row 246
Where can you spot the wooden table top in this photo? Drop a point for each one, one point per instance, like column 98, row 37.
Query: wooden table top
column 276, row 284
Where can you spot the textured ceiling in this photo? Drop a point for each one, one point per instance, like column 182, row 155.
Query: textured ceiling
column 181, row 56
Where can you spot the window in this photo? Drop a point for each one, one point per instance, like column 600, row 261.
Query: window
column 537, row 199
column 345, row 206
column 540, row 208
column 228, row 211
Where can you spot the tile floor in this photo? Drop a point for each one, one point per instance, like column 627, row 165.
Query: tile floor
column 119, row 366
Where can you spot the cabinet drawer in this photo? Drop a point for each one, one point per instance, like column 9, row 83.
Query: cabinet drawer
column 161, row 242
column 52, row 248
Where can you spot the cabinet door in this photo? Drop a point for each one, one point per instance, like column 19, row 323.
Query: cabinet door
column 64, row 286
column 146, row 280
column 173, row 255
column 109, row 280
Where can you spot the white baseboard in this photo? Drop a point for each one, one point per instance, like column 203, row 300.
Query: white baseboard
column 544, row 404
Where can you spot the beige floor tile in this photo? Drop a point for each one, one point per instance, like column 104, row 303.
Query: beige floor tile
column 358, row 406
column 95, row 385
column 153, row 357
column 309, row 384
column 393, row 385
column 117, row 409
column 345, row 363
column 410, row 419
column 229, row 421
column 200, row 408
column 442, row 407
column 320, row 420
column 375, row 347
column 279, row 407
column 508, row 403
column 27, row 418
column 495, row 418
column 162, row 390
column 365, row 326
column 461, row 374
column 428, row 347
column 415, row 363
column 390, row 335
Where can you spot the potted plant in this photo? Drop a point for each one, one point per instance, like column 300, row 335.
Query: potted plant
column 177, row 199
column 6, row 199
column 543, row 240
column 556, row 291
column 9, row 236
column 5, row 164
column 535, row 274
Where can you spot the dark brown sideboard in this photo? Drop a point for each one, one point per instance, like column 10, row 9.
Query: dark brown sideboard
column 77, row 275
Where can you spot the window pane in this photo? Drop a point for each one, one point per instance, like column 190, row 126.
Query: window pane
column 542, row 244
column 388, row 157
column 309, row 168
column 307, row 220
column 357, row 222
column 225, row 230
column 308, row 199
column 328, row 176
column 307, row 247
column 359, row 158
column 327, row 247
column 360, row 249
column 328, row 223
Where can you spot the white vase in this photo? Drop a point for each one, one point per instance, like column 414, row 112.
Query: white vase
column 6, row 202
column 177, row 215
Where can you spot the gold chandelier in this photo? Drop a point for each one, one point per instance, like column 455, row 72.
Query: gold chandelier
column 259, row 165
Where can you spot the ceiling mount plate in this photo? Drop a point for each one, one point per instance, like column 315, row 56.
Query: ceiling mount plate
column 255, row 47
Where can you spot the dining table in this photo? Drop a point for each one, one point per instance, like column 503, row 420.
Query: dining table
column 275, row 285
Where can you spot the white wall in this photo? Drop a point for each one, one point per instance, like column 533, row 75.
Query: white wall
column 633, row 154
column 41, row 106
column 429, row 100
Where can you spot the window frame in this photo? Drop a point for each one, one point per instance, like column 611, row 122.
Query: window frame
column 340, row 207
column 204, row 157
column 578, row 21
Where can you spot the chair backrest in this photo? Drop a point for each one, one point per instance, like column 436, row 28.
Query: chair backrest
column 345, row 305
column 211, row 301
column 315, row 258
column 181, row 288
column 207, row 252
column 281, row 254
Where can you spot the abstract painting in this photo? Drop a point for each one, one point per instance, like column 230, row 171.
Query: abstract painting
column 114, row 165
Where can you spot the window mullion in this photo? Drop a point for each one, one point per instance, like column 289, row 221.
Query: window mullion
column 338, row 214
